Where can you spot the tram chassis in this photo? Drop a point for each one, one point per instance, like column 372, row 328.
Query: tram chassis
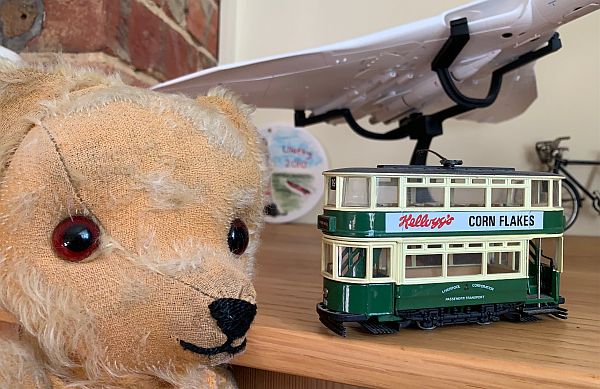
column 430, row 318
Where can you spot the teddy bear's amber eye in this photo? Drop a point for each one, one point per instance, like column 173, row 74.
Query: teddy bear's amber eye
column 75, row 238
column 238, row 237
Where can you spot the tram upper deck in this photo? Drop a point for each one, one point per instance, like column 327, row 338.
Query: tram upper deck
column 398, row 200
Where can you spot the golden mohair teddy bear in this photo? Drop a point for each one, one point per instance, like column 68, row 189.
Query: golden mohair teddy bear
column 129, row 223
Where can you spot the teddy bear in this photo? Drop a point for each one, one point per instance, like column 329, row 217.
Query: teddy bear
column 129, row 221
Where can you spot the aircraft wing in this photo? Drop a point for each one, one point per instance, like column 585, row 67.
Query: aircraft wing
column 6, row 54
column 387, row 75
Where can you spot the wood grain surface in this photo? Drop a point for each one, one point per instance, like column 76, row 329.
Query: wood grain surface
column 288, row 339
column 249, row 378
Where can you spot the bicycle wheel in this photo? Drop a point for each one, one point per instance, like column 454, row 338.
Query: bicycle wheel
column 570, row 203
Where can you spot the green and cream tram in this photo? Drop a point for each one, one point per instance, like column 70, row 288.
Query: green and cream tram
column 439, row 245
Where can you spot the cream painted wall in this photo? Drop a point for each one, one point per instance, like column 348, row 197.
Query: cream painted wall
column 568, row 86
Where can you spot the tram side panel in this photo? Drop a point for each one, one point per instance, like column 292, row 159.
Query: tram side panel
column 460, row 293
column 368, row 299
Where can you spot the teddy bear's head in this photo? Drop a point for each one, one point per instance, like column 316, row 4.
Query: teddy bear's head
column 129, row 221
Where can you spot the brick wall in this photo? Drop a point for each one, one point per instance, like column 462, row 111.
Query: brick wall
column 146, row 41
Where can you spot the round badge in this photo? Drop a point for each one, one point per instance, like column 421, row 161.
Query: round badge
column 297, row 161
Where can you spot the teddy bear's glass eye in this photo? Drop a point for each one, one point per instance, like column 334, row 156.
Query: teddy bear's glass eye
column 75, row 238
column 238, row 237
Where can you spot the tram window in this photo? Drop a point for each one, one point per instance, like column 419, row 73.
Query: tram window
column 381, row 262
column 436, row 180
column 517, row 181
column 327, row 258
column 475, row 244
column 465, row 264
column 356, row 192
column 500, row 181
column 387, row 191
column 503, row 262
column 478, row 181
column 456, row 245
column 414, row 180
column 423, row 265
column 467, row 197
column 352, row 262
column 458, row 181
column 556, row 193
column 414, row 246
column 539, row 193
column 496, row 244
column 331, row 191
column 424, row 197
column 508, row 197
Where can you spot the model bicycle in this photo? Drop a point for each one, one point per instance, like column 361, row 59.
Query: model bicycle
column 551, row 154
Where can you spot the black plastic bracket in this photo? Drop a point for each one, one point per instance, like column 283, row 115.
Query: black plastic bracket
column 424, row 128
column 301, row 120
column 459, row 36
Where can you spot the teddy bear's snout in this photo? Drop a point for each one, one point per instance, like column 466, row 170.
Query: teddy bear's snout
column 233, row 316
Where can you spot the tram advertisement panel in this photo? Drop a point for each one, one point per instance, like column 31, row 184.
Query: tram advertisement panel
column 463, row 221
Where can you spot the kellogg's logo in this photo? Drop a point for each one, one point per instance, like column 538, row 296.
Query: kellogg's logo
column 423, row 221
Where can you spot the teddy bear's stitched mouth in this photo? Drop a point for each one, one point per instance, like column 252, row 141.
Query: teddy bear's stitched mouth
column 227, row 347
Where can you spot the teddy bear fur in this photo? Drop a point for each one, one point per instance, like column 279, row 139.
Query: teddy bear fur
column 163, row 177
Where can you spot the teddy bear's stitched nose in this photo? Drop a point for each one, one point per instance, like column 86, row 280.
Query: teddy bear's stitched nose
column 233, row 316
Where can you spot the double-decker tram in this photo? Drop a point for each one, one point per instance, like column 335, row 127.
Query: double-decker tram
column 436, row 245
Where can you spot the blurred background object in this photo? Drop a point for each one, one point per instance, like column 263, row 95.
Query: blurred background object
column 145, row 41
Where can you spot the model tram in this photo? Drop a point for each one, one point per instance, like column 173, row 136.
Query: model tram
column 438, row 245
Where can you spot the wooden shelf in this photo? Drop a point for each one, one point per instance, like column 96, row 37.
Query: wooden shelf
column 287, row 336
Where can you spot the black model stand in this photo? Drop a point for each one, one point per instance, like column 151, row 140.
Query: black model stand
column 424, row 127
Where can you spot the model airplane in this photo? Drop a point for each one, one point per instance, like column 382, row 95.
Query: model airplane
column 388, row 76
column 9, row 55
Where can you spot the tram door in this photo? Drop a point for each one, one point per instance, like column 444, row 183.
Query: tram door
column 545, row 263
column 374, row 296
column 381, row 290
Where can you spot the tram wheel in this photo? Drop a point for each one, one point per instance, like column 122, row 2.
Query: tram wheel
column 426, row 325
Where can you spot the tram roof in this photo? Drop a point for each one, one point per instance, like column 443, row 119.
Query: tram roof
column 460, row 170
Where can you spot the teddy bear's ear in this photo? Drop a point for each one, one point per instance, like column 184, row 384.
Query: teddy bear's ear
column 28, row 93
column 230, row 105
column 21, row 90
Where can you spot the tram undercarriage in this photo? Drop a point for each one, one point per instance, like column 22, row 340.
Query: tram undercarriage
column 430, row 318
